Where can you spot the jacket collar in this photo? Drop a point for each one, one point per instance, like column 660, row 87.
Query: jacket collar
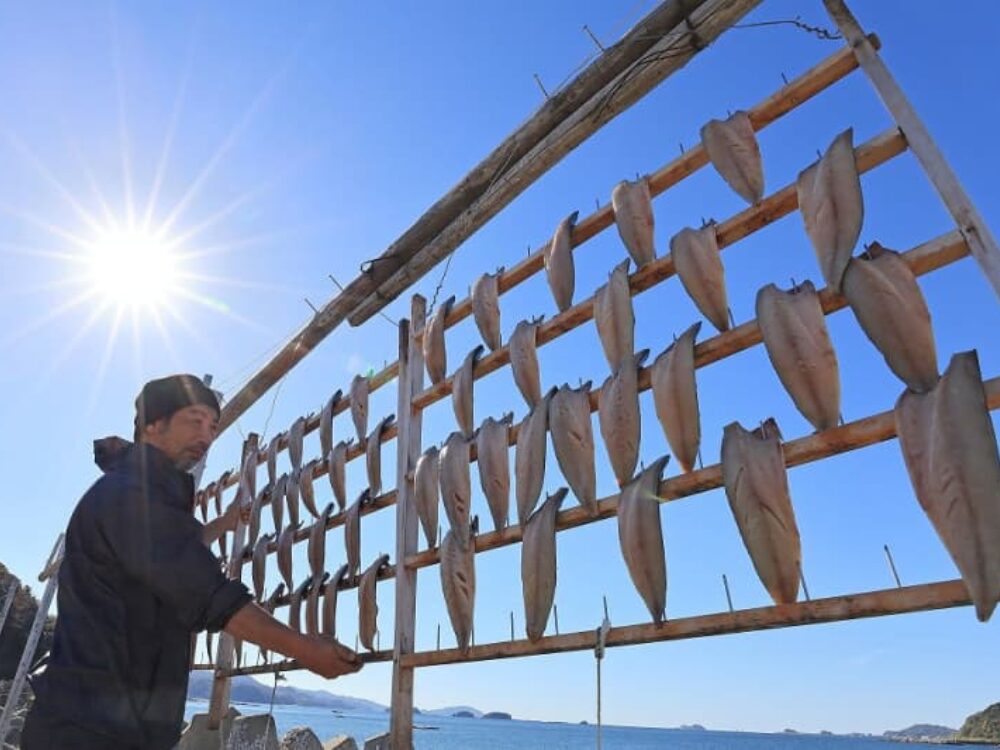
column 155, row 469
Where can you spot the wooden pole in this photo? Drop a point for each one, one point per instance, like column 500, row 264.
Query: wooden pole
column 411, row 370
column 981, row 241
column 8, row 601
column 923, row 597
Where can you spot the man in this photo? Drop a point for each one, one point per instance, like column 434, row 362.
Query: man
column 137, row 579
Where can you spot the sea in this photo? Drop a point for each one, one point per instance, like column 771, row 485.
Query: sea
column 449, row 733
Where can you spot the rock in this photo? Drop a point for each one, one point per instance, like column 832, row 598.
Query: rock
column 982, row 726
column 301, row 738
column 197, row 735
column 253, row 733
column 378, row 742
column 341, row 742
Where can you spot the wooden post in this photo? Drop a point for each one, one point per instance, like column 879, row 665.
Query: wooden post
column 8, row 601
column 20, row 677
column 408, row 445
column 981, row 242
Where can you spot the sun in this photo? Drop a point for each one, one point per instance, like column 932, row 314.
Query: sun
column 132, row 267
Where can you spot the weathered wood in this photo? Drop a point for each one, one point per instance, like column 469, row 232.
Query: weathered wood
column 411, row 368
column 868, row 155
column 981, row 241
column 919, row 598
column 291, row 665
column 8, row 600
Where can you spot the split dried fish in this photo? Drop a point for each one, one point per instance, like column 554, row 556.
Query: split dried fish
column 829, row 193
column 614, row 317
column 305, row 482
column 425, row 493
column 295, row 605
column 675, row 396
column 295, row 436
column 559, row 268
column 950, row 448
column 756, row 481
column 883, row 293
column 538, row 565
column 462, row 385
column 573, row 441
column 368, row 602
column 338, row 471
column 352, row 533
column 641, row 537
column 277, row 496
column 292, row 497
column 486, row 308
column 699, row 265
column 492, row 447
column 435, row 354
column 456, row 484
column 619, row 419
column 359, row 406
column 272, row 460
column 798, row 344
column 316, row 551
column 270, row 605
column 326, row 423
column 259, row 565
column 253, row 528
column 373, row 455
column 285, row 541
column 329, row 626
column 731, row 145
column 524, row 360
column 633, row 209
column 458, row 582
column 312, row 603
column 529, row 459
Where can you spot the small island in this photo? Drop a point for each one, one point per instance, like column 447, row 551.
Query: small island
column 497, row 715
column 464, row 715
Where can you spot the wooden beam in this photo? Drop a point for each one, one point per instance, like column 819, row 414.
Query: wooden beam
column 867, row 155
column 411, row 368
column 981, row 241
column 291, row 665
column 919, row 598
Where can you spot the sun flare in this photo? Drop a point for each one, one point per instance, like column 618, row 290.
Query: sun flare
column 132, row 267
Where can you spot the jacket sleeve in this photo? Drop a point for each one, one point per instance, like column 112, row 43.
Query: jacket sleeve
column 160, row 546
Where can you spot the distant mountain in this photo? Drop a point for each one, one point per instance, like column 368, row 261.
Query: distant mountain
column 919, row 732
column 452, row 710
column 248, row 690
column 981, row 726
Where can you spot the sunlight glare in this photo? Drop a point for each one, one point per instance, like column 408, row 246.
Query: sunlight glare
column 133, row 267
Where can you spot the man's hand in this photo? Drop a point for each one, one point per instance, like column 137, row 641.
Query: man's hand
column 328, row 658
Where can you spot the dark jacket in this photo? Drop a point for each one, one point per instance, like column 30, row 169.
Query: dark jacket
column 135, row 582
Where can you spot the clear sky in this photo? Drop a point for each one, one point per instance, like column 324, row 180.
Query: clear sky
column 281, row 146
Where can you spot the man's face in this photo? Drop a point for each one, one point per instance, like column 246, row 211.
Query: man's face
column 186, row 435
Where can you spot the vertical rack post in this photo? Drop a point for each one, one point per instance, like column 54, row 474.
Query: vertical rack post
column 408, row 446
column 8, row 601
column 982, row 244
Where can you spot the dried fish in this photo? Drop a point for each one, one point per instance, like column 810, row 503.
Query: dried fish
column 292, row 497
column 641, row 537
column 253, row 528
column 295, row 436
column 277, row 498
column 326, row 423
column 368, row 604
column 259, row 565
column 486, row 308
column 619, row 419
column 458, row 582
column 329, row 627
column 882, row 290
column 317, row 541
column 272, row 460
column 756, row 481
column 524, row 360
column 373, row 455
column 538, row 564
column 529, row 459
column 614, row 317
column 285, row 541
column 675, row 396
column 697, row 261
column 798, row 344
column 633, row 209
column 455, row 481
column 573, row 441
column 425, row 493
column 829, row 194
column 731, row 145
column 492, row 445
column 295, row 605
column 435, row 354
column 305, row 482
column 337, row 471
column 359, row 406
column 219, row 487
column 270, row 605
column 950, row 447
column 352, row 533
column 559, row 267
column 312, row 603
column 462, row 385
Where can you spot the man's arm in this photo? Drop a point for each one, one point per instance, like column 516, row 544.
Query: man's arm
column 324, row 656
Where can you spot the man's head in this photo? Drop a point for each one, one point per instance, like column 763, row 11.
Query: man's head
column 178, row 414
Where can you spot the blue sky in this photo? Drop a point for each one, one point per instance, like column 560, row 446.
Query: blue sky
column 299, row 143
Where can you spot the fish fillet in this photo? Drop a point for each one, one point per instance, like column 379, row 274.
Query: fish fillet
column 435, row 355
column 559, row 268
column 529, row 459
column 524, row 360
column 317, row 541
column 295, row 436
column 883, row 293
column 950, row 448
column 305, row 481
column 425, row 493
column 798, row 344
column 458, row 583
column 456, row 484
column 492, row 447
column 373, row 455
column 731, row 145
column 326, row 423
column 352, row 533
column 259, row 565
column 462, row 386
column 614, row 317
column 285, row 541
column 698, row 263
column 756, row 481
column 641, row 537
column 359, row 406
column 486, row 308
column 633, row 209
column 573, row 441
column 538, row 564
column 619, row 420
column 329, row 625
column 368, row 602
column 829, row 194
column 338, row 473
column 675, row 396
column 312, row 603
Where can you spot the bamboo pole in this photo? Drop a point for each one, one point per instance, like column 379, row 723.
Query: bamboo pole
column 291, row 665
column 977, row 233
column 919, row 598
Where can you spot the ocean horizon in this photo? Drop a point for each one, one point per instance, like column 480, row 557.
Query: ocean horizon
column 451, row 733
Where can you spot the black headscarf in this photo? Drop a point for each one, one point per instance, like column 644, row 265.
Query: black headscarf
column 161, row 398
